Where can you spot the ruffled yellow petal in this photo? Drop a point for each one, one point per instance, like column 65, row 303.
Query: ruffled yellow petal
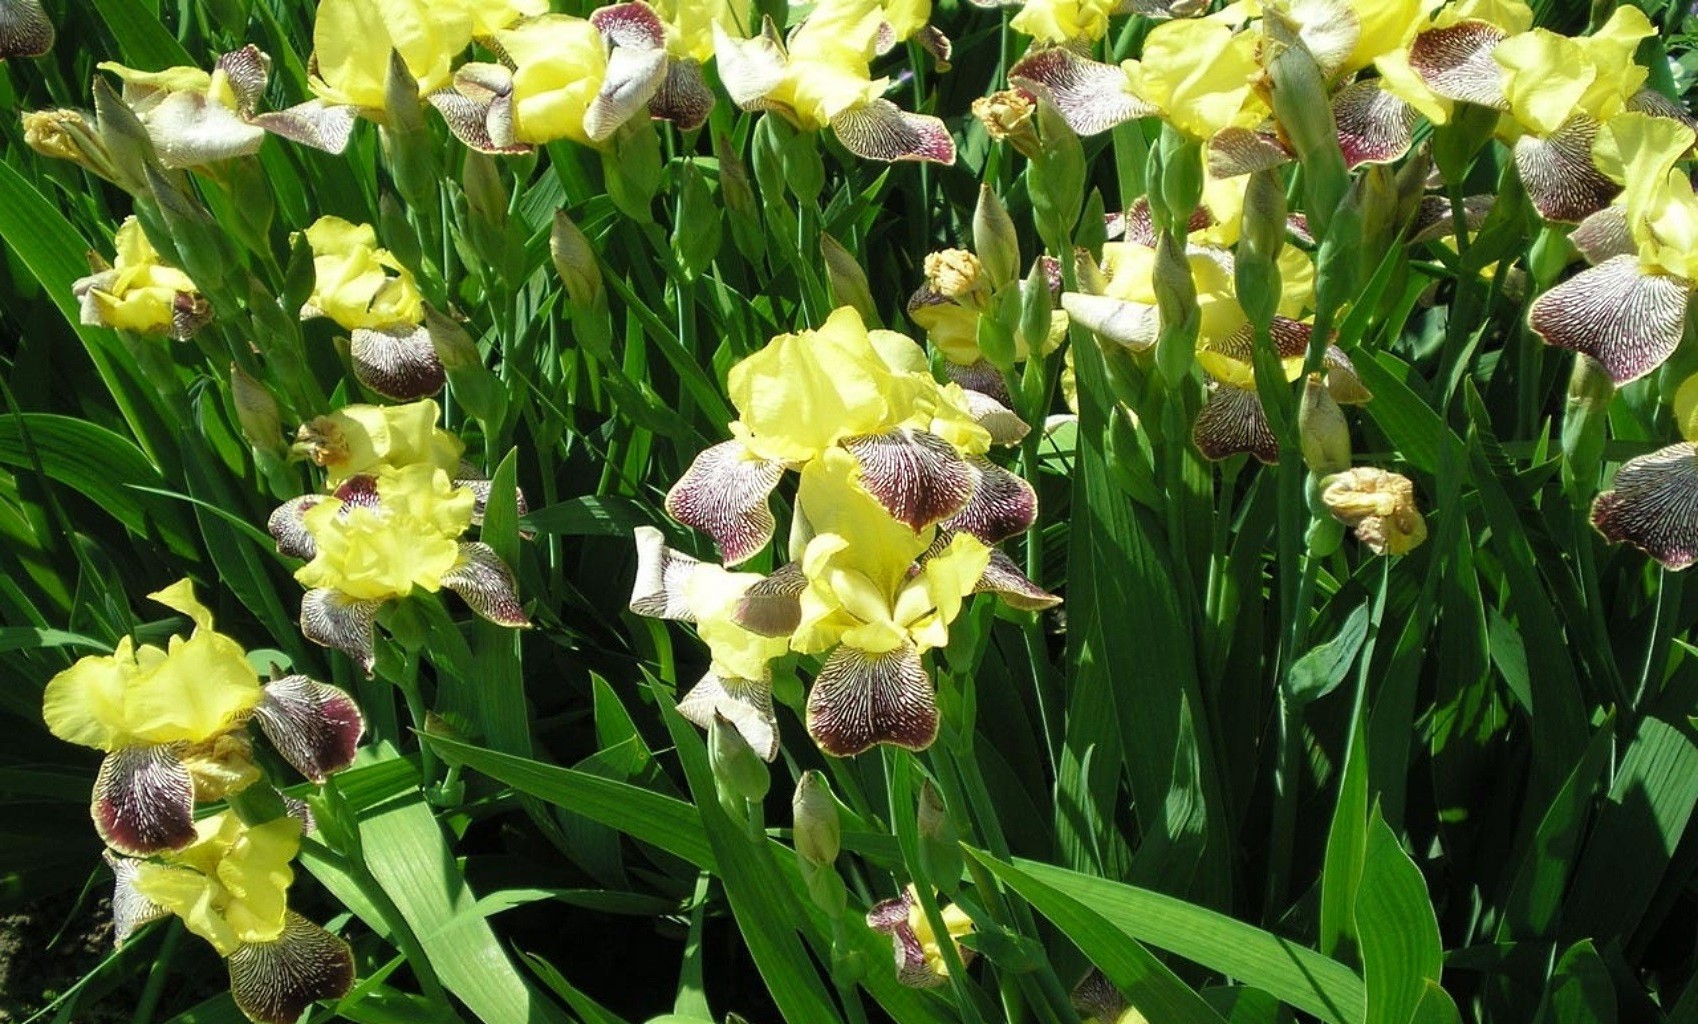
column 561, row 61
column 84, row 704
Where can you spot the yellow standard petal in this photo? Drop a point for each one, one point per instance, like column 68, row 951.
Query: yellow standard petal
column 357, row 284
column 84, row 704
column 560, row 63
column 352, row 40
column 1200, row 74
column 409, row 539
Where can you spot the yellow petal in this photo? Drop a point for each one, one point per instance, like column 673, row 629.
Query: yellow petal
column 803, row 392
column 560, row 63
column 202, row 688
column 84, row 704
column 180, row 597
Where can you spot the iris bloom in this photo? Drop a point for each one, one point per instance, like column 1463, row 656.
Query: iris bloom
column 24, row 29
column 919, row 952
column 139, row 292
column 573, row 78
column 369, row 294
column 172, row 724
column 821, row 78
column 379, row 538
column 956, row 294
column 194, row 117
column 1232, row 420
column 868, row 394
column 1628, row 311
column 230, row 886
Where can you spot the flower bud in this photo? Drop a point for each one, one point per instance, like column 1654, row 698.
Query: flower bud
column 1007, row 117
column 1176, row 300
column 125, row 139
column 575, row 262
column 848, row 281
column 1303, row 110
column 1322, row 430
column 994, row 239
column 699, row 232
column 1181, row 181
column 1589, row 392
column 1264, row 229
column 1037, row 306
column 940, row 850
column 739, row 771
column 486, row 194
column 1380, row 506
column 256, row 412
column 818, row 834
column 67, row 135
column 406, row 141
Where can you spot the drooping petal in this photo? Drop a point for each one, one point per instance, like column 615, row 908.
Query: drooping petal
column 630, row 25
column 862, row 699
column 1002, row 504
column 633, row 77
column 315, row 123
column 750, row 68
column 1091, row 96
column 772, row 606
column 486, row 584
column 1559, row 175
column 484, row 125
column 274, row 982
column 1234, row 151
column 315, row 727
column 662, row 574
column 1433, row 218
column 1002, row 423
column 1343, row 382
column 332, row 619
column 1232, row 421
column 1626, row 319
column 917, row 476
column 24, row 29
column 1456, row 62
column 892, row 918
column 978, row 376
column 683, row 97
column 1604, row 235
column 745, row 703
column 397, row 362
column 1004, row 579
column 190, row 130
column 144, row 800
column 724, row 494
column 1653, row 505
column 480, row 497
column 1133, row 324
column 1374, row 127
column 880, row 130
column 130, row 909
column 288, row 527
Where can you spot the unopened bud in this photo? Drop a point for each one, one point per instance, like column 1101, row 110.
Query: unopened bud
column 1264, row 223
column 486, row 194
column 1181, row 181
column 67, row 135
column 256, row 412
column 575, row 262
column 933, row 816
column 1322, row 430
column 124, row 137
column 1037, row 304
column 1303, row 109
column 405, row 140
column 848, row 281
column 994, row 239
column 738, row 769
column 818, row 833
column 940, row 850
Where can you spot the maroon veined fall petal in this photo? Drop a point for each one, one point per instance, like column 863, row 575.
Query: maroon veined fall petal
column 880, row 130
column 482, row 123
column 861, row 699
column 662, row 572
column 1004, row 579
column 332, row 619
column 683, row 97
column 247, row 69
column 287, row 526
column 1001, row 506
column 891, row 917
column 1233, row 422
column 1559, row 175
column 480, row 495
column 917, row 476
column 397, row 362
column 773, row 606
column 1653, row 505
column 1456, row 62
column 25, row 30
column 274, row 982
column 632, row 25
column 1236, row 151
column 1138, row 225
column 1604, row 235
column 144, row 800
column 724, row 494
column 1626, row 319
column 130, row 909
column 1374, row 127
column 978, row 376
column 318, row 125
column 358, row 492
column 317, row 728
column 1650, row 101
column 487, row 585
column 933, row 41
column 745, row 703
column 1091, row 96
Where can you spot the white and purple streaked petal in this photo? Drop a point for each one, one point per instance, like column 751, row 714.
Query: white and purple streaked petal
column 1650, row 101
column 1653, row 505
column 130, row 909
column 861, row 699
column 634, row 75
column 933, row 41
column 1233, row 422
column 1003, row 424
column 1559, row 175
column 317, row 728
column 248, row 70
column 724, row 494
column 1002, row 504
column 485, row 126
column 287, row 526
column 773, row 605
column 750, row 68
column 979, row 376
column 479, row 486
column 633, row 26
column 332, row 619
column 25, row 30
column 189, row 313
column 144, row 800
column 275, row 982
column 1626, row 319
column 315, row 124
column 1133, row 324
column 301, row 811
column 190, row 130
column 745, row 703
column 662, row 574
column 1004, row 579
column 1604, row 235
column 1374, row 127
column 1138, row 225
column 358, row 492
column 891, row 917
column 880, row 130
column 486, row 584
column 1329, row 29
column 683, row 97
column 1091, row 96
column 398, row 362
column 1456, row 62
column 1235, row 151
column 917, row 476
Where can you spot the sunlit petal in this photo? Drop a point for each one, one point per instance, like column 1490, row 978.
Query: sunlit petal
column 880, row 130
column 332, row 619
column 1626, row 319
column 745, row 703
column 274, row 982
column 1653, row 505
column 315, row 727
column 724, row 494
column 487, row 585
column 397, row 362
column 917, row 476
column 862, row 699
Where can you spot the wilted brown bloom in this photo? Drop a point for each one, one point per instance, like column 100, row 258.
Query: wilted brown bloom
column 1380, row 505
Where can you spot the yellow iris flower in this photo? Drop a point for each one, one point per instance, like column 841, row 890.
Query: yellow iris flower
column 1548, row 78
column 1640, row 151
column 1063, row 21
column 230, row 886
column 409, row 538
column 366, row 439
column 831, row 55
column 139, row 292
column 560, row 63
column 357, row 284
column 352, row 40
column 690, row 25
